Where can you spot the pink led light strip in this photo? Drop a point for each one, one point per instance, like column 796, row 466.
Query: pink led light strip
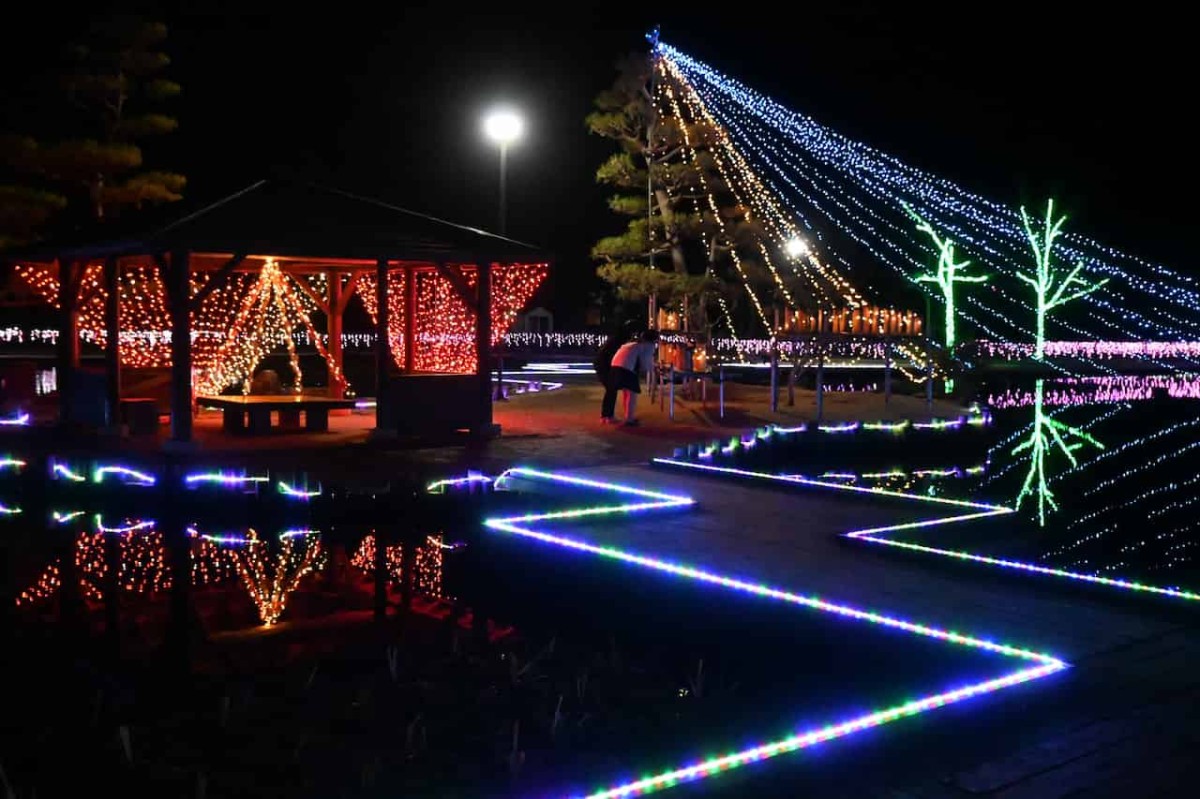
column 1044, row 664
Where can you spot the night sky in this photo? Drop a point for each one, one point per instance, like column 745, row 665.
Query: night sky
column 1011, row 100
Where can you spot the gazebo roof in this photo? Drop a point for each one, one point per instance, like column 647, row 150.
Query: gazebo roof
column 295, row 219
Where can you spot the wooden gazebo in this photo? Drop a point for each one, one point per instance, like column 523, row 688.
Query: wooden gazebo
column 301, row 230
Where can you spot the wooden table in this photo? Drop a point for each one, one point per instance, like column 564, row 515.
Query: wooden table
column 259, row 410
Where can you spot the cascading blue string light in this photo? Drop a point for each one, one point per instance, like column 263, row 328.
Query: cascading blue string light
column 817, row 178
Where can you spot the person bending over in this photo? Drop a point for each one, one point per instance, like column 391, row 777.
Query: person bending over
column 628, row 364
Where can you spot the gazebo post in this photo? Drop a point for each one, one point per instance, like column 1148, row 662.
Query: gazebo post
column 112, row 354
column 337, row 388
column 68, row 336
column 410, row 319
column 483, row 348
column 178, row 301
column 383, row 347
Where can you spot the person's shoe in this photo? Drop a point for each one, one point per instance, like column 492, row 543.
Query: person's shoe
column 607, row 420
column 630, row 423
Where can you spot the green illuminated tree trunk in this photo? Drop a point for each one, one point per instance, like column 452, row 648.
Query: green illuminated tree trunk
column 1051, row 289
column 945, row 274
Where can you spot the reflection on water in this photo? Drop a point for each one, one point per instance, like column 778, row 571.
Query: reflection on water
column 91, row 534
column 1095, row 390
column 1104, row 473
column 1107, row 468
column 268, row 571
column 427, row 564
column 1045, row 434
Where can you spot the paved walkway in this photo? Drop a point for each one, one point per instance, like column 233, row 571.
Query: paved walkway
column 1119, row 723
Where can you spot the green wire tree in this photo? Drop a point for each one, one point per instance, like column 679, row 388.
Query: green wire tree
column 1051, row 290
column 1047, row 432
column 113, row 85
column 946, row 274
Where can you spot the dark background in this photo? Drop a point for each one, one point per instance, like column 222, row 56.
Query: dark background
column 1013, row 100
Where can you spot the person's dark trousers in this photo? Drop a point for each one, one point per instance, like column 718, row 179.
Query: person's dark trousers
column 609, row 405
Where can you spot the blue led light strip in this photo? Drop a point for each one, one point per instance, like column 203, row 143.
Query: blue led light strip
column 1044, row 664
column 872, row 534
column 297, row 493
column 868, row 535
column 797, row 480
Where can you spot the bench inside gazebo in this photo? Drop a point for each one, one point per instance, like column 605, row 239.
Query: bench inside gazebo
column 204, row 299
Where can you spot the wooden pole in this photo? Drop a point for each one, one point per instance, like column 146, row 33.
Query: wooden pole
column 483, row 347
column 821, row 385
column 112, row 592
column 383, row 347
column 178, row 543
column 112, row 354
column 928, row 374
column 68, row 336
column 774, row 378
column 337, row 388
column 178, row 290
column 410, row 319
column 381, row 574
column 887, row 372
column 820, row 377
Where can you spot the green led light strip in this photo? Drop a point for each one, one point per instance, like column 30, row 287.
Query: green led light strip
column 1043, row 664
column 873, row 536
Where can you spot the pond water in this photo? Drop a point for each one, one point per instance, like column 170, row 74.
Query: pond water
column 505, row 666
column 1103, row 472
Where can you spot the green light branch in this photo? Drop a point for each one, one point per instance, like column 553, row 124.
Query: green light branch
column 1049, row 295
column 1047, row 431
column 946, row 274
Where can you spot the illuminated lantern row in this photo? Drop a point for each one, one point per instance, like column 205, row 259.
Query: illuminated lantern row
column 445, row 327
column 427, row 565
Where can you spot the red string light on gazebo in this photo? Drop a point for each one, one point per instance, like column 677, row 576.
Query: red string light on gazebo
column 445, row 324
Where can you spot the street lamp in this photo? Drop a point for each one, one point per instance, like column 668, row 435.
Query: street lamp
column 796, row 247
column 503, row 126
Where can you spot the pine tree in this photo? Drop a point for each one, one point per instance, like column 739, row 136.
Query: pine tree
column 665, row 186
column 112, row 84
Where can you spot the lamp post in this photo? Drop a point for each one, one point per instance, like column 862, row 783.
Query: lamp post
column 796, row 247
column 503, row 127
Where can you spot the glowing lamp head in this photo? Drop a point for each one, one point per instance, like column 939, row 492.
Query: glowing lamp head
column 796, row 247
column 503, row 126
